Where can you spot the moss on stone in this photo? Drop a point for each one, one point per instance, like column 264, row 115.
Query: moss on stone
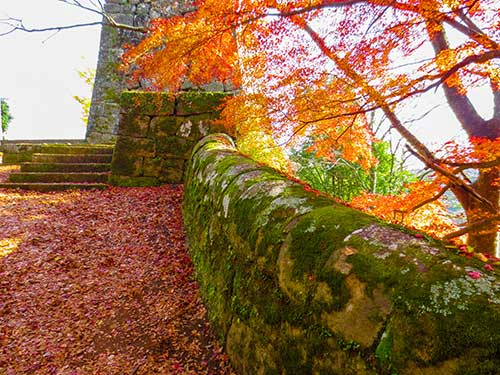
column 173, row 146
column 124, row 164
column 16, row 158
column 148, row 103
column 198, row 102
column 164, row 126
column 152, row 167
column 135, row 147
column 171, row 175
column 333, row 289
column 132, row 125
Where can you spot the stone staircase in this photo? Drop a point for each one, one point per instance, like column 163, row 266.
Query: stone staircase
column 63, row 167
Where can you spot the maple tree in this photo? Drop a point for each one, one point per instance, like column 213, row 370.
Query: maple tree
column 318, row 66
column 88, row 76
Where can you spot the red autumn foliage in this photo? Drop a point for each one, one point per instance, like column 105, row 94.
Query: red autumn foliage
column 100, row 282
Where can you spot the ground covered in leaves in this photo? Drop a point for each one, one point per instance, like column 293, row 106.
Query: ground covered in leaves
column 100, row 282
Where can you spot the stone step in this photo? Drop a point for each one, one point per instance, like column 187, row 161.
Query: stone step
column 45, row 187
column 76, row 149
column 47, row 177
column 69, row 158
column 65, row 167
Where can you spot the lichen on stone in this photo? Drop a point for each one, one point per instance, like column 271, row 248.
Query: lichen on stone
column 458, row 293
column 185, row 129
column 297, row 204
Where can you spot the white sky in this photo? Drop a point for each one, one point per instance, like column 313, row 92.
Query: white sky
column 38, row 71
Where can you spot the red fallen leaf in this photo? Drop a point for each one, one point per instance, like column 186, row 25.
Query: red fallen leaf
column 474, row 275
column 488, row 267
column 418, row 235
column 100, row 278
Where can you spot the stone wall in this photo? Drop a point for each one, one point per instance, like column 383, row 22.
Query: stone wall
column 156, row 134
column 110, row 82
column 295, row 283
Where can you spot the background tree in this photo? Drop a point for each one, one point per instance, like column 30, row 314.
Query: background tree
column 6, row 116
column 345, row 179
column 88, row 76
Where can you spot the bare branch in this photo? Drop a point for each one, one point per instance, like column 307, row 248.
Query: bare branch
column 15, row 24
column 21, row 27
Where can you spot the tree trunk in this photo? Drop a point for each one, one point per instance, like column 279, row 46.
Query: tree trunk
column 485, row 239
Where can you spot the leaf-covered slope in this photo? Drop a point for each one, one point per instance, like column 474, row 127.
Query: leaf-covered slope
column 100, row 283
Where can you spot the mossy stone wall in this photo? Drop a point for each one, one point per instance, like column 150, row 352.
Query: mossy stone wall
column 157, row 132
column 295, row 283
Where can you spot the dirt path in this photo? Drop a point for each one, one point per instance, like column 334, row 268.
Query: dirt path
column 100, row 283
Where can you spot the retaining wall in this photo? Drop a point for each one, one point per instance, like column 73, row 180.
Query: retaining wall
column 296, row 283
column 157, row 132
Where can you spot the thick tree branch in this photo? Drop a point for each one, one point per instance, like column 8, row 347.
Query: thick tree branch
column 473, row 59
column 461, row 106
column 475, row 165
column 454, row 180
column 472, row 227
column 496, row 100
column 430, row 200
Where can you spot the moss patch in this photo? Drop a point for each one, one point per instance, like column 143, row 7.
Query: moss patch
column 196, row 102
column 148, row 103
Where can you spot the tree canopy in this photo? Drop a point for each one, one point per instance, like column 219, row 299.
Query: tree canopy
column 317, row 67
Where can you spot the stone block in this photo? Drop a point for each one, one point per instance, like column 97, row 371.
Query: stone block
column 140, row 21
column 126, row 165
column 143, row 9
column 194, row 127
column 135, row 147
column 196, row 102
column 164, row 125
column 170, row 175
column 172, row 146
column 126, row 19
column 134, row 125
column 112, row 7
column 133, row 181
column 152, row 167
column 148, row 103
column 173, row 163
